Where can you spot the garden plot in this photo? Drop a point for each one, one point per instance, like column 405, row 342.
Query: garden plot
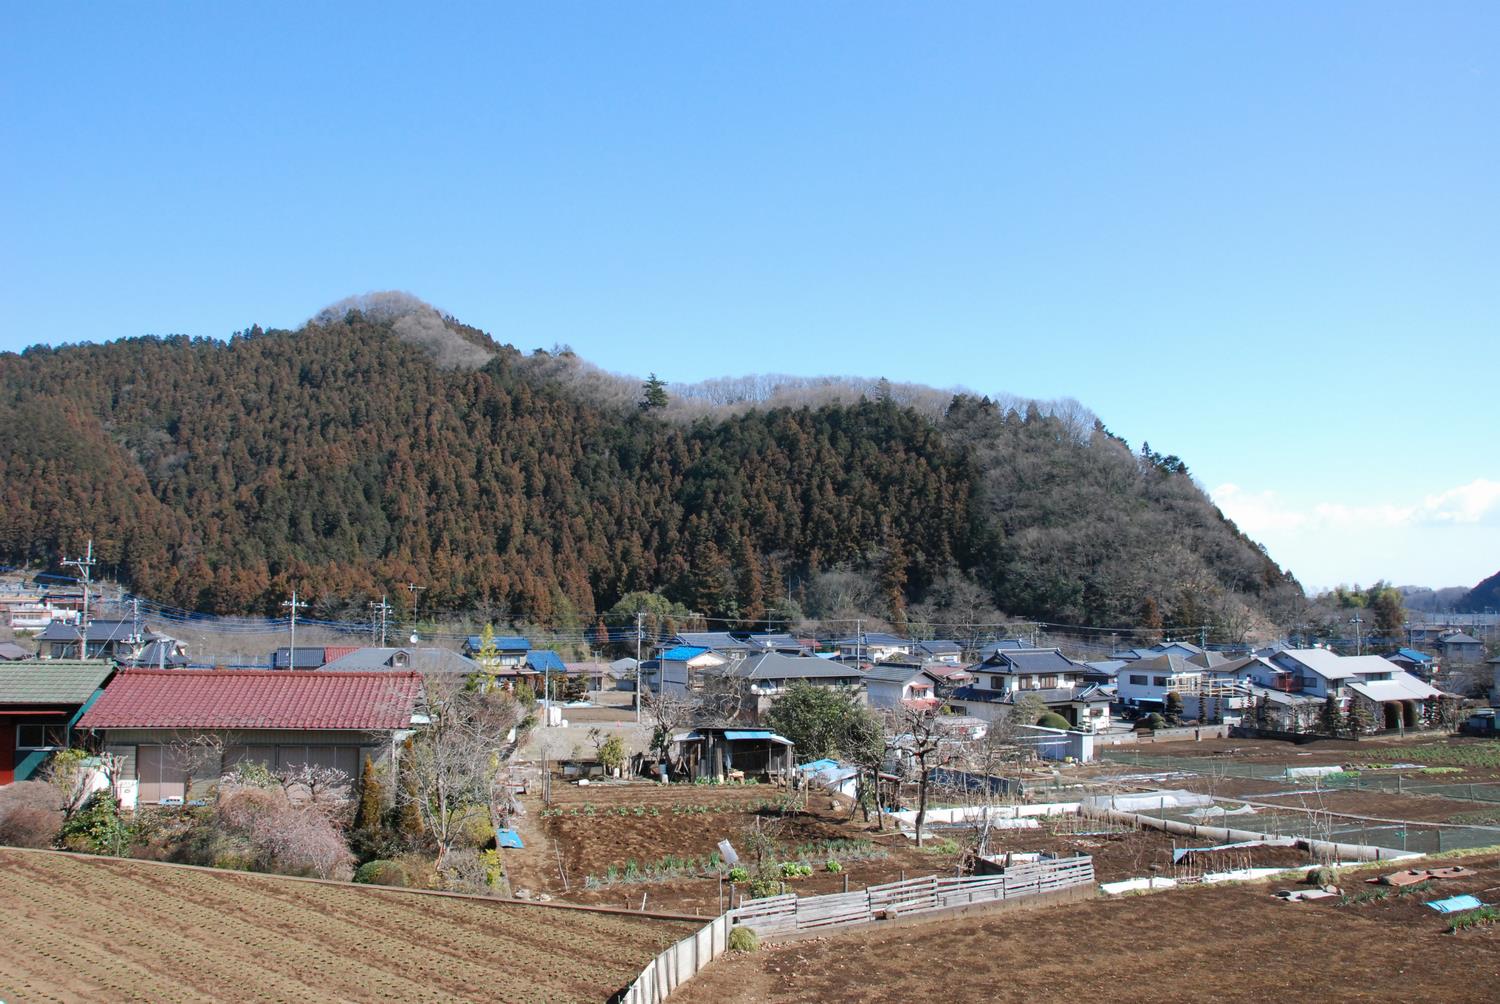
column 620, row 844
column 95, row 929
column 1236, row 944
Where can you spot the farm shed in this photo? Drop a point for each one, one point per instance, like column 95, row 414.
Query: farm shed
column 717, row 752
column 39, row 703
column 179, row 730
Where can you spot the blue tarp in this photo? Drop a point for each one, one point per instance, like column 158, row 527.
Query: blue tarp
column 508, row 838
column 761, row 734
column 1454, row 904
column 819, row 765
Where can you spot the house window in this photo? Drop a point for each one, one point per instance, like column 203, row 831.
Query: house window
column 1139, row 681
column 958, row 709
column 1161, row 681
column 997, row 683
column 1048, row 682
column 41, row 737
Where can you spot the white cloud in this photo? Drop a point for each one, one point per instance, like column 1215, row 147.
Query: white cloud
column 1476, row 502
column 1451, row 537
column 1256, row 512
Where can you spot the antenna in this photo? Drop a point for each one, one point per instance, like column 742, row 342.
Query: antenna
column 414, row 589
column 383, row 608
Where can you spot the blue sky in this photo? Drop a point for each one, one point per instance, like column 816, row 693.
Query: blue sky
column 1265, row 237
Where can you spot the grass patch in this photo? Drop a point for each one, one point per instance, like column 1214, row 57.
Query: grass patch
column 1480, row 817
column 1465, row 754
column 1365, row 896
column 1482, row 917
column 943, row 846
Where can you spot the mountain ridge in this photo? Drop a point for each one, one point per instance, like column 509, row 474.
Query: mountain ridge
column 358, row 453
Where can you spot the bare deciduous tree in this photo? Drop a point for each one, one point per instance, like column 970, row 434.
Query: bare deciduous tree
column 923, row 737
column 454, row 761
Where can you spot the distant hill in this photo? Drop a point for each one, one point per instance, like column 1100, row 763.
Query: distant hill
column 1431, row 600
column 1485, row 596
column 383, row 443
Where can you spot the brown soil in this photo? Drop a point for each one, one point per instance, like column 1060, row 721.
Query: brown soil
column 80, row 929
column 589, row 845
column 1208, row 943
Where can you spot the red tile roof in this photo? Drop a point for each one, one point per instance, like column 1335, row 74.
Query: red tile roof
column 254, row 699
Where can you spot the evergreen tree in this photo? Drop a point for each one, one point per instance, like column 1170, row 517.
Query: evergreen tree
column 371, row 808
column 653, row 394
column 1331, row 719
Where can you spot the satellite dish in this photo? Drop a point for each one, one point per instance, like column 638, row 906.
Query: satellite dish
column 414, row 638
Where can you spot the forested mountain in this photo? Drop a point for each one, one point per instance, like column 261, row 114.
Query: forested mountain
column 368, row 449
column 1485, row 596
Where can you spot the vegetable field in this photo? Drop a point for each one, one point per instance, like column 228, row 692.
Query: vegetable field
column 77, row 929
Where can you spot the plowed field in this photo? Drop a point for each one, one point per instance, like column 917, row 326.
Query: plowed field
column 82, row 929
column 1234, row 944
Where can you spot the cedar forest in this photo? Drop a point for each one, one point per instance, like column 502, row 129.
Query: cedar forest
column 348, row 458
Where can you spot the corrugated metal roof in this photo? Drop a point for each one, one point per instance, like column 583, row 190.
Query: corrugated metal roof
column 254, row 699
column 51, row 681
column 761, row 735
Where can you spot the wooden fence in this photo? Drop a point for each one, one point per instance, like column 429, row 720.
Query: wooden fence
column 790, row 913
column 677, row 964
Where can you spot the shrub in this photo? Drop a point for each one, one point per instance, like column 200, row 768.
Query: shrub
column 768, row 886
column 1322, row 875
column 98, row 827
column 380, row 872
column 1151, row 721
column 262, row 830
column 1052, row 720
column 739, row 873
column 742, row 939
column 31, row 814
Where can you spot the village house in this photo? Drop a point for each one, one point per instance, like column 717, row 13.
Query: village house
column 177, row 731
column 1418, row 664
column 424, row 659
column 722, row 643
column 678, row 668
column 940, row 650
column 40, row 702
column 510, row 650
column 767, row 676
column 100, row 639
column 157, row 651
column 1460, row 649
column 893, row 684
column 11, row 652
column 874, row 646
column 1394, row 697
column 1009, row 675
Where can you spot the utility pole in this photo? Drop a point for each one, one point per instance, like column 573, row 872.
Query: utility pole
column 859, row 644
column 383, row 608
column 1203, row 636
column 293, row 605
column 85, row 566
column 638, row 667
column 414, row 589
column 1359, row 648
